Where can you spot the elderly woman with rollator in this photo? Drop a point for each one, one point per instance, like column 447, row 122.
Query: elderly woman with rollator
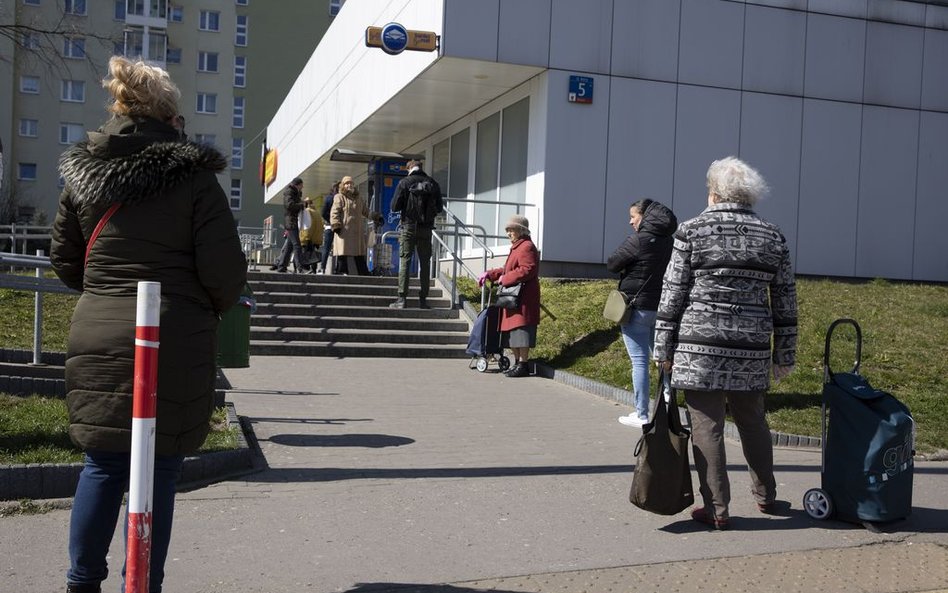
column 727, row 322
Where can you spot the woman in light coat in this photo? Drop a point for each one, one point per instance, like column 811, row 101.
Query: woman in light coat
column 727, row 321
column 348, row 220
column 311, row 233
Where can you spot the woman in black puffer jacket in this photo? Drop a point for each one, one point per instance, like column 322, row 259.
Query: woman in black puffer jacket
column 172, row 225
column 640, row 262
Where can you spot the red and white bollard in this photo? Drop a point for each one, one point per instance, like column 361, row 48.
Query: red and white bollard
column 142, row 476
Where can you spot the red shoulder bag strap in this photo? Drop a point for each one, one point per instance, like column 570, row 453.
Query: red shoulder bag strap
column 98, row 229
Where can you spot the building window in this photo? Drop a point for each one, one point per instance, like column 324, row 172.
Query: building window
column 176, row 14
column 209, row 139
column 74, row 47
column 159, row 9
column 29, row 128
column 70, row 133
column 210, row 21
column 240, row 71
column 236, row 193
column 120, row 12
column 118, row 48
column 157, row 43
column 174, row 55
column 240, row 38
column 206, row 103
column 27, row 172
column 243, row 2
column 238, row 112
column 33, row 2
column 74, row 7
column 73, row 91
column 29, row 40
column 335, row 6
column 207, row 61
column 30, row 85
column 237, row 153
column 136, row 7
column 134, row 42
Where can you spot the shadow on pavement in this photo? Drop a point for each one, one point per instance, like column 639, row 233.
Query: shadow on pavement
column 276, row 392
column 412, row 588
column 923, row 520
column 372, row 441
column 256, row 420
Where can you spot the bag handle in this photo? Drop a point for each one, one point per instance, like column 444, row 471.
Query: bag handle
column 827, row 371
column 98, row 229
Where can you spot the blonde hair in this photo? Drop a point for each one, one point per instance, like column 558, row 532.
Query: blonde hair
column 140, row 89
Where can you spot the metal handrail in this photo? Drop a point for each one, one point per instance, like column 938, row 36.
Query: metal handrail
column 37, row 284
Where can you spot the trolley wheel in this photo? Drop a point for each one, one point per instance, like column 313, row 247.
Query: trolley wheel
column 481, row 364
column 818, row 504
column 504, row 363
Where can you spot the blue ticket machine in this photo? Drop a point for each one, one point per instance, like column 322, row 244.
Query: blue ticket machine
column 386, row 174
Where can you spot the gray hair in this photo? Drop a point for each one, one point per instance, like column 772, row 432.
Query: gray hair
column 733, row 180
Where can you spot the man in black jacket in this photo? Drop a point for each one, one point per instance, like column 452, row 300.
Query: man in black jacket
column 292, row 205
column 418, row 198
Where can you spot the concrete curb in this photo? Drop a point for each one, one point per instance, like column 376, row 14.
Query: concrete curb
column 58, row 480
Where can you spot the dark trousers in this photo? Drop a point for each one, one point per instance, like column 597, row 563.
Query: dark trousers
column 707, row 410
column 326, row 251
column 414, row 239
column 291, row 247
column 358, row 261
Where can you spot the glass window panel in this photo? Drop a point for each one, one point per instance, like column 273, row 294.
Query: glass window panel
column 513, row 158
column 70, row 133
column 177, row 14
column 486, row 167
column 158, row 45
column 29, row 84
column 29, row 127
column 134, row 42
column 159, row 8
column 119, row 14
column 440, row 161
column 237, row 153
column 240, row 71
column 136, row 7
column 26, row 171
column 457, row 173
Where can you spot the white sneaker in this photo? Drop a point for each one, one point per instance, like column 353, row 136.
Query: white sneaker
column 633, row 419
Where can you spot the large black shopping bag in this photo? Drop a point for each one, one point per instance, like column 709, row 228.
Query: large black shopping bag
column 661, row 482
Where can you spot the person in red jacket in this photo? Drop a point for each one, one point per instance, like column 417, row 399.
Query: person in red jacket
column 519, row 326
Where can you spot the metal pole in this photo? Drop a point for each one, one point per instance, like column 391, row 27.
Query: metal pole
column 454, row 267
column 144, row 406
column 38, row 318
column 13, row 237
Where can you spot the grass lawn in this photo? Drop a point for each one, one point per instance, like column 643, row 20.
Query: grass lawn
column 905, row 346
column 34, row 430
column 16, row 309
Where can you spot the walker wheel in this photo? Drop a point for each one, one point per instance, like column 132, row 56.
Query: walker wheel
column 481, row 364
column 818, row 504
column 504, row 363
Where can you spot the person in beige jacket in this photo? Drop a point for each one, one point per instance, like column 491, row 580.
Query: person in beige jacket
column 348, row 220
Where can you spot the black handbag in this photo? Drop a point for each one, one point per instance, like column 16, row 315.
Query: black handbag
column 661, row 482
column 508, row 297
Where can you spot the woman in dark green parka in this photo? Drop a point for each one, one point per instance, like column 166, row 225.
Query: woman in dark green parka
column 173, row 226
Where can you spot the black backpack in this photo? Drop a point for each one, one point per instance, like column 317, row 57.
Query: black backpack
column 420, row 207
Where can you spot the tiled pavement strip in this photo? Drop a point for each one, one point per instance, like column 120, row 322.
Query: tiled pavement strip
column 421, row 475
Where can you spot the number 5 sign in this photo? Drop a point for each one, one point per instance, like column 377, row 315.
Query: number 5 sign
column 580, row 89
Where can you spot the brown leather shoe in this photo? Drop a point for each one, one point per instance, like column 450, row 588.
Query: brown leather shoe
column 702, row 515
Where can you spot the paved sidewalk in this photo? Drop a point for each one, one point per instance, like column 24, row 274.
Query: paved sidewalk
column 422, row 475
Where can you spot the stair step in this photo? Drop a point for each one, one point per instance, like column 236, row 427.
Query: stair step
column 374, row 336
column 354, row 350
column 356, row 300
column 327, row 288
column 380, row 323
column 327, row 310
column 268, row 276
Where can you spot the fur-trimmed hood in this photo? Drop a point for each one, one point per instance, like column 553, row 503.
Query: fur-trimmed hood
column 133, row 159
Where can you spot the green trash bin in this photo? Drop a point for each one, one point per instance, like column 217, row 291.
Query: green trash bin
column 233, row 333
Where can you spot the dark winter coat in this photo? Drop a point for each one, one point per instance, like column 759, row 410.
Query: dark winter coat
column 292, row 206
column 175, row 227
column 729, row 302
column 522, row 266
column 641, row 259
column 400, row 198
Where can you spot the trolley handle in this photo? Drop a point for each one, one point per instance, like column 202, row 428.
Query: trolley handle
column 827, row 371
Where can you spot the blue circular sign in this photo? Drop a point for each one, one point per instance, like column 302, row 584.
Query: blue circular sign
column 394, row 38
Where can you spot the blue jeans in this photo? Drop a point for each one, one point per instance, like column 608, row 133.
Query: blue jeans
column 95, row 509
column 639, row 337
column 291, row 247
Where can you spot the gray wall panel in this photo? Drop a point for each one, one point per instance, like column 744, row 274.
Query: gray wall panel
column 835, row 57
column 931, row 240
column 575, row 177
column 641, row 152
column 711, row 43
column 829, row 188
column 888, row 169
column 470, row 29
column 707, row 129
column 893, row 65
column 853, row 8
column 645, row 39
column 586, row 29
column 770, row 142
column 935, row 74
column 524, row 35
column 774, row 50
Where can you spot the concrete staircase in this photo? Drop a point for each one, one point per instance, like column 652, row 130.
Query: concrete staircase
column 348, row 316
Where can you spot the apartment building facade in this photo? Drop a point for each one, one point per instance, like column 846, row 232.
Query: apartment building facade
column 232, row 60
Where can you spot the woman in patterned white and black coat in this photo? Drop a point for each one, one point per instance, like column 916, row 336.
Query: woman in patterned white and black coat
column 727, row 322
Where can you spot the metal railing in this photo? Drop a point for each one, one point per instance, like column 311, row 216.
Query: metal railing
column 21, row 235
